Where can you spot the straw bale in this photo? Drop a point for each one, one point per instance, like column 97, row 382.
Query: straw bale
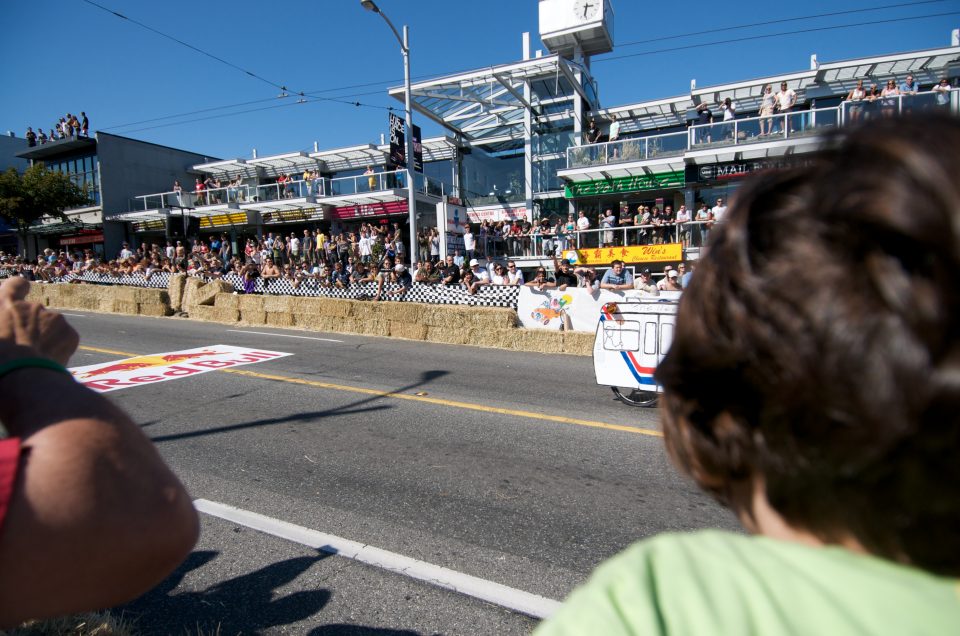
column 207, row 294
column 279, row 319
column 203, row 312
column 402, row 312
column 250, row 303
column 225, row 314
column 61, row 290
column 535, row 340
column 493, row 318
column 253, row 317
column 124, row 294
column 410, row 331
column 125, row 307
column 446, row 335
column 578, row 343
column 190, row 290
column 334, row 307
column 175, row 288
column 369, row 327
column 276, row 304
column 228, row 301
column 154, row 309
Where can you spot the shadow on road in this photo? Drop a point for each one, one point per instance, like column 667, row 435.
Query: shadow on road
column 244, row 604
column 347, row 409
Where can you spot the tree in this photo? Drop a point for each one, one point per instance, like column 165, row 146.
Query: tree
column 37, row 193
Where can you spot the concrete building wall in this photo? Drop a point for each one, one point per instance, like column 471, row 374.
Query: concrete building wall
column 9, row 147
column 131, row 168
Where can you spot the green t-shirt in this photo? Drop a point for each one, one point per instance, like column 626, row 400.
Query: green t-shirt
column 714, row 582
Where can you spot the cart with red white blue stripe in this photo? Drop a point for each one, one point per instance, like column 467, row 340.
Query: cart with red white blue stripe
column 632, row 337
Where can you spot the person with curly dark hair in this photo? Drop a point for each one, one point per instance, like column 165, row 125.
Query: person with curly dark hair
column 812, row 386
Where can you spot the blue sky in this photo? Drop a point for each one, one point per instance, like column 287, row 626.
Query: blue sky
column 67, row 55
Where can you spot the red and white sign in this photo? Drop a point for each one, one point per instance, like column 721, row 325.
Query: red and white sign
column 160, row 367
column 373, row 209
column 82, row 239
column 497, row 214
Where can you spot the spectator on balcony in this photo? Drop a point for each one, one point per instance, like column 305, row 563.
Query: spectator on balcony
column 625, row 221
column 942, row 91
column 371, row 176
column 909, row 86
column 614, row 132
column 729, row 110
column 31, row 137
column 642, row 220
column 84, row 124
column 74, row 126
column 704, row 118
column 719, row 211
column 888, row 102
column 656, row 225
column 41, row 136
column 684, row 229
column 434, row 246
column 669, row 222
column 855, row 102
column 469, row 242
column 607, row 222
column 768, row 103
column 645, row 285
column 786, row 100
column 583, row 224
column 593, row 132
column 617, row 278
column 209, row 186
column 458, row 258
column 198, row 188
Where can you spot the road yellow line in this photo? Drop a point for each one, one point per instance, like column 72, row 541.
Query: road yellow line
column 419, row 398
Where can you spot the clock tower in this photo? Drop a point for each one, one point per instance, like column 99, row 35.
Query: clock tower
column 569, row 27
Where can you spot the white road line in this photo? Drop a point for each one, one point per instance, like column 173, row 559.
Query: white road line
column 74, row 315
column 507, row 597
column 283, row 335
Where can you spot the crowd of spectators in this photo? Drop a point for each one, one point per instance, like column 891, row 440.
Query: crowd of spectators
column 68, row 127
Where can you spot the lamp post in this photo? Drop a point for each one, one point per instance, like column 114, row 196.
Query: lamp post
column 370, row 5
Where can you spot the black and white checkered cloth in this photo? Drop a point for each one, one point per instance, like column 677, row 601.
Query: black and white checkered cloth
column 487, row 296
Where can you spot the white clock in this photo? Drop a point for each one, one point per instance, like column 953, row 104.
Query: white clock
column 586, row 10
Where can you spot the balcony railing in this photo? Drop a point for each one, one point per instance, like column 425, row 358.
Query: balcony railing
column 750, row 130
column 627, row 150
column 375, row 182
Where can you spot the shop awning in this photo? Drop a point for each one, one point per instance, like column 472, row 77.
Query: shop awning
column 229, row 169
column 351, row 158
column 290, row 163
column 62, row 228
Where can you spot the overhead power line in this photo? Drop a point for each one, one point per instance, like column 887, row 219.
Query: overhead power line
column 774, row 35
column 778, row 21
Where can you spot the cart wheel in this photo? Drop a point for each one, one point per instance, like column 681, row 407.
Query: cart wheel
column 635, row 397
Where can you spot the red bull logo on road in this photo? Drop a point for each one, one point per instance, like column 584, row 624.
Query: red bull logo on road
column 160, row 367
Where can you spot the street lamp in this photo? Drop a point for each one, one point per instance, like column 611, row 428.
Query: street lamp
column 370, row 5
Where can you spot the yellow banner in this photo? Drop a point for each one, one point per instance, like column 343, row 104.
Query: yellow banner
column 236, row 218
column 631, row 254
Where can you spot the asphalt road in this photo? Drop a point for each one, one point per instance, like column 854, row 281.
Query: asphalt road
column 514, row 468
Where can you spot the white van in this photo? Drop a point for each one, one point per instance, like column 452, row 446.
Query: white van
column 632, row 337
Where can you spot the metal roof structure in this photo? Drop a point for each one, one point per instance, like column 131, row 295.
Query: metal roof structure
column 143, row 215
column 231, row 168
column 489, row 104
column 350, row 158
column 290, row 163
column 831, row 79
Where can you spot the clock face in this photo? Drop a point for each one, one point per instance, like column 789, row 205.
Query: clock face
column 585, row 10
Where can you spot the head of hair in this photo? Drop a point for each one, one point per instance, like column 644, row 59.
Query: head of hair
column 816, row 348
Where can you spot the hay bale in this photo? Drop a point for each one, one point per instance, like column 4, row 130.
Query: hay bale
column 225, row 314
column 407, row 330
column 578, row 343
column 190, row 290
column 250, row 303
column 154, row 309
column 204, row 312
column 228, row 301
column 207, row 294
column 276, row 304
column 124, row 294
column 533, row 340
column 125, row 307
column 253, row 317
column 175, row 289
column 335, row 308
column 279, row 319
